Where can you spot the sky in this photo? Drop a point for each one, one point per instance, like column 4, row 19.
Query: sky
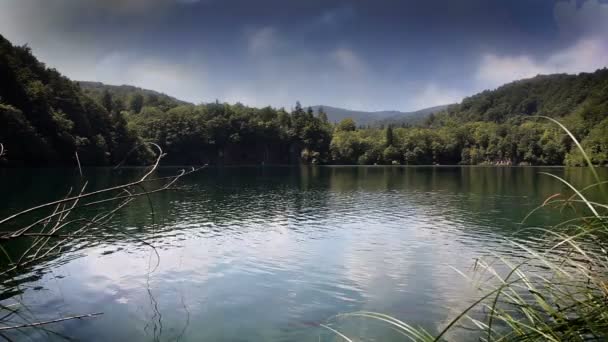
column 362, row 54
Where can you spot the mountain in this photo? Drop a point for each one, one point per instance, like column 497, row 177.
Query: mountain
column 557, row 95
column 363, row 118
column 46, row 118
column 124, row 95
column 415, row 117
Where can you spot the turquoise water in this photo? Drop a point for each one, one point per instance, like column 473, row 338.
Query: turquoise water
column 259, row 254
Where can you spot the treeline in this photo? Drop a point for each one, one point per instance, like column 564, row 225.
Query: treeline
column 46, row 119
column 220, row 133
column 117, row 98
column 520, row 141
column 499, row 127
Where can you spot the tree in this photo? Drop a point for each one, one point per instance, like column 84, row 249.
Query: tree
column 106, row 101
column 595, row 145
column 310, row 113
column 136, row 103
column 118, row 106
column 389, row 136
column 392, row 155
column 322, row 115
column 298, row 110
column 346, row 125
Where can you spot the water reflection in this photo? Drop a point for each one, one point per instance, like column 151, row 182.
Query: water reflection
column 269, row 253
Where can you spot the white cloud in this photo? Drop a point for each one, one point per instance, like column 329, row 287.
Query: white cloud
column 585, row 55
column 585, row 27
column 497, row 70
column 349, row 61
column 434, row 95
column 270, row 65
column 262, row 41
column 186, row 81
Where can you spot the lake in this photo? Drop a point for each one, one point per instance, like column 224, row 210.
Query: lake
column 270, row 253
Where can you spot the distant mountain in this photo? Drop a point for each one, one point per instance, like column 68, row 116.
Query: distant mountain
column 415, row 117
column 377, row 118
column 47, row 119
column 124, row 94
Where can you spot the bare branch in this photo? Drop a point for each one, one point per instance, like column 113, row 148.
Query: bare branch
column 51, row 234
column 78, row 162
column 36, row 324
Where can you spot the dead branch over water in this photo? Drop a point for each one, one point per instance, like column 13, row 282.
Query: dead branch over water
column 52, row 233
column 36, row 324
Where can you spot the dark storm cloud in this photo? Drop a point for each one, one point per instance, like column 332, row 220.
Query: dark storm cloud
column 358, row 54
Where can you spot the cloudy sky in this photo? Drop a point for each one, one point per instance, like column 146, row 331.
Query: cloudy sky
column 367, row 55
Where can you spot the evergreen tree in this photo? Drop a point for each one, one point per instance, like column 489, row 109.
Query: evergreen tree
column 322, row 115
column 310, row 113
column 389, row 136
column 106, row 101
column 136, row 103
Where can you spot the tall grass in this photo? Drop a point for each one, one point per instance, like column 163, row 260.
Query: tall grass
column 31, row 238
column 557, row 292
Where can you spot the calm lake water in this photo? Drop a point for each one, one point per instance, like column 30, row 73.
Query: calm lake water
column 268, row 254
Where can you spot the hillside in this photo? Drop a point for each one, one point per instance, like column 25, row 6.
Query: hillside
column 556, row 95
column 46, row 118
column 126, row 96
column 496, row 127
column 363, row 118
column 410, row 118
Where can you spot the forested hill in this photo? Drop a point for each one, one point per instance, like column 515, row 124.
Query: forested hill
column 410, row 118
column 500, row 126
column 556, row 95
column 378, row 118
column 46, row 118
column 129, row 97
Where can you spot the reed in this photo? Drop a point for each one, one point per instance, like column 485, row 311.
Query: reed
column 48, row 231
column 557, row 292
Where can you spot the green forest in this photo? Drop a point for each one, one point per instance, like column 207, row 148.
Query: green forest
column 47, row 119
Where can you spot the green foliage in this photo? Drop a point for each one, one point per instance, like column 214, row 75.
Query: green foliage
column 550, row 95
column 107, row 101
column 61, row 120
column 350, row 146
column 389, row 136
column 553, row 289
column 322, row 115
column 136, row 102
column 392, row 155
column 237, row 134
column 104, row 123
column 234, row 134
column 346, row 125
column 596, row 146
column 127, row 97
column 46, row 118
column 24, row 139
